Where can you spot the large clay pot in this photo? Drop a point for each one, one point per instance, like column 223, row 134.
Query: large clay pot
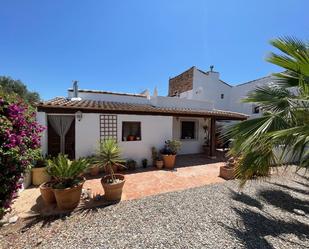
column 113, row 191
column 68, row 198
column 39, row 176
column 227, row 173
column 169, row 161
column 94, row 170
column 47, row 193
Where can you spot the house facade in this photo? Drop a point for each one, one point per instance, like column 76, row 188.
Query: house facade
column 195, row 84
column 76, row 123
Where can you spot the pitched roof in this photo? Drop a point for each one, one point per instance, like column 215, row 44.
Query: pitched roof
column 65, row 105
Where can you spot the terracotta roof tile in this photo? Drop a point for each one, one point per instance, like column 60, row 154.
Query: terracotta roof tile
column 61, row 104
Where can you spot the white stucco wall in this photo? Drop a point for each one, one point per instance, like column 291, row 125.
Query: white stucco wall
column 87, row 135
column 241, row 91
column 155, row 130
column 190, row 146
column 42, row 120
column 209, row 87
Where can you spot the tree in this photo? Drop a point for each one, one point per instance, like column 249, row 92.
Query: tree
column 11, row 86
column 281, row 134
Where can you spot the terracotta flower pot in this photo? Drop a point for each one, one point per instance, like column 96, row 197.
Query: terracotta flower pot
column 131, row 138
column 108, row 170
column 169, row 161
column 159, row 164
column 113, row 191
column 39, row 176
column 68, row 198
column 47, row 193
column 94, row 170
column 227, row 173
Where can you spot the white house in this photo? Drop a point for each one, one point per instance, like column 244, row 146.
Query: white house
column 76, row 123
column 195, row 84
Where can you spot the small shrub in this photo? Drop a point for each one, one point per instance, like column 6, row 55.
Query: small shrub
column 66, row 172
column 131, row 164
column 171, row 147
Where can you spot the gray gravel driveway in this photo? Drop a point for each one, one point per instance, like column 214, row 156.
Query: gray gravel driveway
column 271, row 214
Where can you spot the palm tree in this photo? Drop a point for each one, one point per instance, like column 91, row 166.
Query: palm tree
column 281, row 134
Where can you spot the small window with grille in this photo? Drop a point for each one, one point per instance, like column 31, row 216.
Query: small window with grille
column 108, row 127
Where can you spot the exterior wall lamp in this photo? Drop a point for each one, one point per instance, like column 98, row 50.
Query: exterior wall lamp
column 79, row 115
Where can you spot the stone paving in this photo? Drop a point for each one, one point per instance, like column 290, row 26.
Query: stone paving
column 190, row 171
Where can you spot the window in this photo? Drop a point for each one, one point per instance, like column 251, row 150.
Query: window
column 108, row 127
column 222, row 96
column 188, row 130
column 255, row 109
column 131, row 131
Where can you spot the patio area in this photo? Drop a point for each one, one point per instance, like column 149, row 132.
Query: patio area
column 190, row 171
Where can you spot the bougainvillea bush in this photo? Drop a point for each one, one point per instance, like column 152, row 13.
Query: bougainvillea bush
column 19, row 145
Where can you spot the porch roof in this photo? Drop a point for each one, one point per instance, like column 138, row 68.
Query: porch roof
column 65, row 105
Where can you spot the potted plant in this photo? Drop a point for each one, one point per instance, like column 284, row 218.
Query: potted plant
column 67, row 185
column 47, row 193
column 169, row 153
column 144, row 163
column 131, row 164
column 131, row 138
column 39, row 173
column 154, row 155
column 228, row 171
column 109, row 157
column 159, row 162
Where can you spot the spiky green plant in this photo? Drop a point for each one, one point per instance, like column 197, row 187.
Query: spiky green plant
column 66, row 172
column 284, row 125
column 109, row 154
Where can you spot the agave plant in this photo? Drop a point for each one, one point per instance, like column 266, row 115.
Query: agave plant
column 66, row 172
column 109, row 155
column 284, row 125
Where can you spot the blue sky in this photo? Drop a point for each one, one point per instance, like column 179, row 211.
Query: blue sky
column 131, row 45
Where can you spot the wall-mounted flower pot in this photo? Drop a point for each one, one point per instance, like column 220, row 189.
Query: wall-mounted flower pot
column 169, row 161
column 159, row 164
column 113, row 191
column 68, row 198
column 39, row 176
column 227, row 173
column 47, row 193
column 94, row 170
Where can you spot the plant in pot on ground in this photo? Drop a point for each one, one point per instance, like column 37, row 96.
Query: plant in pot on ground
column 144, row 163
column 39, row 173
column 131, row 164
column 67, row 185
column 228, row 171
column 109, row 157
column 169, row 153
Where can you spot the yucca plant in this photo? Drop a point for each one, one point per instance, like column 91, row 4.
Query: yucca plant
column 109, row 155
column 66, row 172
column 284, row 125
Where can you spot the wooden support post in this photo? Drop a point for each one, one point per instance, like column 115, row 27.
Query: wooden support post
column 212, row 152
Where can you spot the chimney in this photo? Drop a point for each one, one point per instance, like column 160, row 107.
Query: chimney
column 213, row 74
column 75, row 91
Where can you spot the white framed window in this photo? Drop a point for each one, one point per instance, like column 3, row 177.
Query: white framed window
column 188, row 129
column 131, row 131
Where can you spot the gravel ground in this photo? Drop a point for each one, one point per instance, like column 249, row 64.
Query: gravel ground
column 271, row 214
